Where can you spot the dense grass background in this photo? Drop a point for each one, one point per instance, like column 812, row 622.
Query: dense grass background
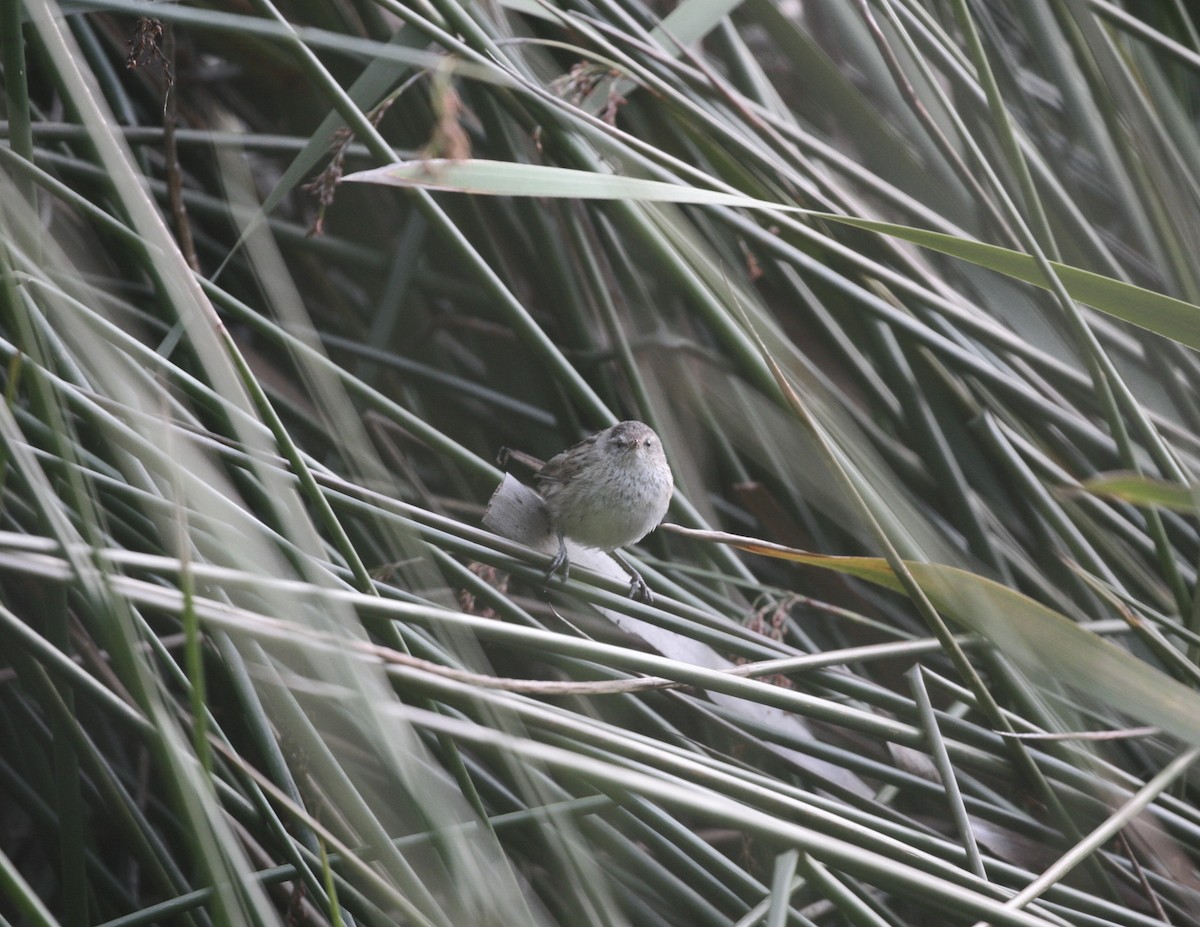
column 896, row 281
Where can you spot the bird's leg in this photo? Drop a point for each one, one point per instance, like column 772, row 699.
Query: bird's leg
column 638, row 590
column 559, row 564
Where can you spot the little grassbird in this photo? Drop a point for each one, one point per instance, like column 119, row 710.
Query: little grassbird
column 608, row 491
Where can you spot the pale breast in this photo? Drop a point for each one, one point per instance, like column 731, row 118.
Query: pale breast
column 612, row 511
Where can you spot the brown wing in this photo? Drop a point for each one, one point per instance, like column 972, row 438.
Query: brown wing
column 562, row 467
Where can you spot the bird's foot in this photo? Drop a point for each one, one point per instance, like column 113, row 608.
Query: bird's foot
column 560, row 565
column 638, row 590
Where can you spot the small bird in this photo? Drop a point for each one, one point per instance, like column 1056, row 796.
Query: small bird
column 608, row 491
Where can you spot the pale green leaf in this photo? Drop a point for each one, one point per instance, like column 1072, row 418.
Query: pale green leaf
column 1155, row 312
column 1141, row 490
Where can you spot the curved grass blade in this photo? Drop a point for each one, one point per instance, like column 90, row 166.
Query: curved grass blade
column 1142, row 490
column 1039, row 638
column 1156, row 312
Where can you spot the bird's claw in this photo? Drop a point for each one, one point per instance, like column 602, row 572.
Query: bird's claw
column 638, row 590
column 560, row 565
